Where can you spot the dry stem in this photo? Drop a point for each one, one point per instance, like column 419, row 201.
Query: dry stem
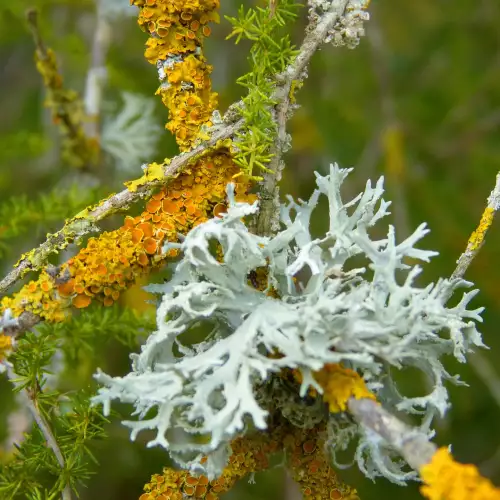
column 268, row 218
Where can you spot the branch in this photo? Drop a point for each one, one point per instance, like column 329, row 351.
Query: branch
column 267, row 220
column 477, row 238
column 44, row 426
column 413, row 445
column 84, row 222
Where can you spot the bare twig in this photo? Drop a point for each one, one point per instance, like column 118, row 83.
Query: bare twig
column 267, row 221
column 413, row 445
column 44, row 426
column 96, row 75
column 476, row 239
column 32, row 18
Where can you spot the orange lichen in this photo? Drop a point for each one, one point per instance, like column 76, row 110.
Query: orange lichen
column 310, row 466
column 249, row 454
column 113, row 261
column 81, row 301
column 446, row 479
column 252, row 453
column 177, row 29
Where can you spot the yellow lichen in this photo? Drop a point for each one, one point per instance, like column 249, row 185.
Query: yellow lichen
column 5, row 345
column 177, row 30
column 446, row 479
column 339, row 384
column 113, row 261
column 477, row 237
column 154, row 172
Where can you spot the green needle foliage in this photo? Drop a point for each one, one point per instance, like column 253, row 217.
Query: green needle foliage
column 34, row 472
column 85, row 335
column 271, row 52
column 21, row 214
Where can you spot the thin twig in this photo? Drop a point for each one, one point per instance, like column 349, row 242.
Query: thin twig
column 84, row 222
column 477, row 238
column 267, row 220
column 32, row 18
column 44, row 426
column 413, row 445
column 96, row 76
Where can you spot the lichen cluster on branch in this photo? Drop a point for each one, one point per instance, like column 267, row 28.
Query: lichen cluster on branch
column 368, row 321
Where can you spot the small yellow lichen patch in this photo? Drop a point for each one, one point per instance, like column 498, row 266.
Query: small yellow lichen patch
column 154, row 172
column 68, row 113
column 446, row 479
column 477, row 237
column 5, row 345
column 339, row 384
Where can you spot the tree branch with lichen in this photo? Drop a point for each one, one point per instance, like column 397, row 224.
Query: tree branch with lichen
column 477, row 238
column 85, row 221
column 156, row 174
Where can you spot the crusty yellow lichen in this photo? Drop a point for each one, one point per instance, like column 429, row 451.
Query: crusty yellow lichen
column 113, row 261
column 477, row 237
column 177, row 30
column 310, row 466
column 304, row 455
column 5, row 345
column 445, row 479
column 338, row 384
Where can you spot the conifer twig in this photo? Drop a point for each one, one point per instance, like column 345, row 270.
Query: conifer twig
column 477, row 238
column 84, row 222
column 267, row 221
column 44, row 426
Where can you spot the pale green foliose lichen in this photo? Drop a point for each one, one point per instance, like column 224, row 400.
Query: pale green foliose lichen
column 329, row 310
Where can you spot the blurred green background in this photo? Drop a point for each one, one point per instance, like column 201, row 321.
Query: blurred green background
column 418, row 101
